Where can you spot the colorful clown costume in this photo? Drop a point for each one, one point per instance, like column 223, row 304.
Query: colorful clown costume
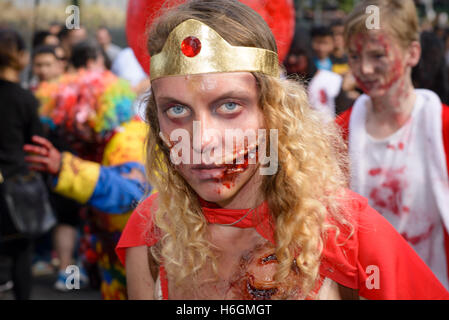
column 92, row 112
column 111, row 193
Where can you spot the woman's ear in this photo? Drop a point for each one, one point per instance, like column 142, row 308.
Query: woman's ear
column 414, row 53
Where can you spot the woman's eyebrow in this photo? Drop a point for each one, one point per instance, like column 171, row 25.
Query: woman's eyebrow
column 236, row 94
column 169, row 100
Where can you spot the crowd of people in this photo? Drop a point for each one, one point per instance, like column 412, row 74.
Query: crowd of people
column 363, row 129
column 319, row 57
column 67, row 75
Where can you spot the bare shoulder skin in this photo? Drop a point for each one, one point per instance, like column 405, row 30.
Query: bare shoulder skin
column 140, row 283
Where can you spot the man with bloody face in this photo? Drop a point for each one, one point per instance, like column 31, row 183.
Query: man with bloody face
column 398, row 136
column 223, row 230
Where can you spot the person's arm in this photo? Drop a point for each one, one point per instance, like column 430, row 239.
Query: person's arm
column 114, row 187
column 139, row 282
column 111, row 189
column 34, row 125
column 347, row 95
column 132, row 250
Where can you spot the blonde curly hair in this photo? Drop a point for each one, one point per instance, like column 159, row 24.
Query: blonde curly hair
column 301, row 195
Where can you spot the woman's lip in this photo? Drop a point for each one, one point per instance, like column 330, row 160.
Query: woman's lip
column 218, row 173
column 207, row 166
column 209, row 173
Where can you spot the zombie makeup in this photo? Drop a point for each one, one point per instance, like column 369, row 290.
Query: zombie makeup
column 211, row 123
column 377, row 62
column 254, row 278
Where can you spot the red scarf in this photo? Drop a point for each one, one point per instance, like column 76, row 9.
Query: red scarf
column 258, row 218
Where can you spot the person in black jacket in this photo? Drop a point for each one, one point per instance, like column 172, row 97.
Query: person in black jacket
column 19, row 121
column 431, row 71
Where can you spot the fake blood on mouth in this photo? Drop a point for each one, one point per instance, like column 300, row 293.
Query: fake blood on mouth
column 227, row 178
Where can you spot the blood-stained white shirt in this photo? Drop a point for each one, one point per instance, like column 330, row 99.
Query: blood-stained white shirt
column 405, row 176
column 323, row 89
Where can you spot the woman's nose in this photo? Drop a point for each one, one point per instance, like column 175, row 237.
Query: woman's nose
column 206, row 130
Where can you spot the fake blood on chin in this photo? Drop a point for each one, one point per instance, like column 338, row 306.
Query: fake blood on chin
column 229, row 175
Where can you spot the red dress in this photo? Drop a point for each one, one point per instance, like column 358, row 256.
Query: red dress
column 374, row 259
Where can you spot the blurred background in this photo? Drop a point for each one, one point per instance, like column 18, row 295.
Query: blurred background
column 28, row 15
column 317, row 38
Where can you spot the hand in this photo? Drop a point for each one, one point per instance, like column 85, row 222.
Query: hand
column 45, row 158
column 349, row 82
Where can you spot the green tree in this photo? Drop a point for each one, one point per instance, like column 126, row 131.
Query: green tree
column 346, row 5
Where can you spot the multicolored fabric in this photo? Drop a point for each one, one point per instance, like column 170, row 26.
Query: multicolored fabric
column 99, row 100
column 92, row 112
column 126, row 144
column 111, row 193
column 77, row 178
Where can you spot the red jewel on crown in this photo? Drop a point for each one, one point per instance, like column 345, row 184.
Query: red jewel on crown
column 191, row 46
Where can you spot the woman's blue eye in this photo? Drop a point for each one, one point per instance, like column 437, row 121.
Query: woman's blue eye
column 177, row 111
column 229, row 107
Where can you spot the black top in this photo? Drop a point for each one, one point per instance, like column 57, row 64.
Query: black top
column 341, row 60
column 19, row 121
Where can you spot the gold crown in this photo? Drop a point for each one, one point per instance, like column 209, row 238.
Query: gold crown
column 194, row 48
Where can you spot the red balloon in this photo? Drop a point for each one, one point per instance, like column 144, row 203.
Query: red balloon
column 279, row 15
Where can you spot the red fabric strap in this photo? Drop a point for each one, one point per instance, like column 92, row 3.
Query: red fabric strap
column 343, row 122
column 445, row 117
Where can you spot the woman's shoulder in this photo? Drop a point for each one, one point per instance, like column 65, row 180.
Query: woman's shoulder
column 147, row 206
column 140, row 229
column 350, row 234
column 144, row 212
column 341, row 242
